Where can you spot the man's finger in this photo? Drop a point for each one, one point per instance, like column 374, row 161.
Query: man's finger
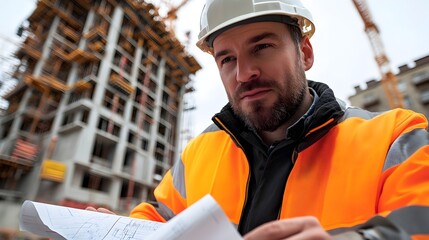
column 312, row 234
column 282, row 229
column 91, row 209
column 102, row 210
column 105, row 210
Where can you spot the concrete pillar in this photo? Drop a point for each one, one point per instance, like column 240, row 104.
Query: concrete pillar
column 180, row 116
column 86, row 145
column 47, row 47
column 18, row 114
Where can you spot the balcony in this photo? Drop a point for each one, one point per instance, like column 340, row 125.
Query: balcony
column 81, row 56
column 96, row 46
column 45, row 82
column 149, row 60
column 130, row 13
column 104, row 10
column 421, row 78
column 176, row 73
column 126, row 45
column 189, row 63
column 79, row 95
column 82, row 85
column 43, row 10
column 173, row 45
column 32, row 47
column 72, row 21
column 72, row 127
column 123, row 84
column 153, row 46
column 424, row 97
column 61, row 53
column 69, row 32
column 101, row 162
column 97, row 38
column 370, row 101
column 128, row 31
column 100, row 30
column 171, row 63
column 40, row 11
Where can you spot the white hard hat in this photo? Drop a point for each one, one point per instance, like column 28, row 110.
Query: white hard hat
column 220, row 15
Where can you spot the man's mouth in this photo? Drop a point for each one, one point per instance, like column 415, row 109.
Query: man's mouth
column 254, row 94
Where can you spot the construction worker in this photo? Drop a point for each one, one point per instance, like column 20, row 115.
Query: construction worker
column 284, row 158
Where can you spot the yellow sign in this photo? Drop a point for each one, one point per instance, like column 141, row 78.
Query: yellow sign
column 53, row 171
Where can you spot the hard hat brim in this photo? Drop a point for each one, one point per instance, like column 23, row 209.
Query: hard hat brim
column 264, row 18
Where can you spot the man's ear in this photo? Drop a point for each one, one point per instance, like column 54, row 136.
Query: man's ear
column 307, row 56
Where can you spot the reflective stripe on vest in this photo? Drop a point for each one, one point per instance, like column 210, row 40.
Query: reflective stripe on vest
column 414, row 220
column 405, row 146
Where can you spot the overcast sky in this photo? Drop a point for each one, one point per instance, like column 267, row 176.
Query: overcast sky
column 343, row 55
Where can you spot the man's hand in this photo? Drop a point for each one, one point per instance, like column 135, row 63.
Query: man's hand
column 102, row 210
column 292, row 229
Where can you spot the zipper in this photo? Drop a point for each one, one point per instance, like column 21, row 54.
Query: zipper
column 229, row 132
column 246, row 196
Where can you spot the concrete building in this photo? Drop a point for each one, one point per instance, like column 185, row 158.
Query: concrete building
column 96, row 115
column 413, row 83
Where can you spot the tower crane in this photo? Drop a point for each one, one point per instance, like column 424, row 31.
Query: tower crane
column 171, row 16
column 172, row 12
column 388, row 79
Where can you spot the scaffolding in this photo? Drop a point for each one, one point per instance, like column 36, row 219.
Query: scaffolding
column 99, row 97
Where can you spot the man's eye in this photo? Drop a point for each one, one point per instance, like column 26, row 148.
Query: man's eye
column 262, row 46
column 227, row 59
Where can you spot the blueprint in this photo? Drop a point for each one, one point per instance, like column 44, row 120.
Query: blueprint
column 69, row 223
column 203, row 220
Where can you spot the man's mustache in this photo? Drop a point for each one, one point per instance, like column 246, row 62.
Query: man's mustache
column 250, row 85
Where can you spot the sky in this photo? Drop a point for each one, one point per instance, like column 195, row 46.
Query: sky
column 343, row 55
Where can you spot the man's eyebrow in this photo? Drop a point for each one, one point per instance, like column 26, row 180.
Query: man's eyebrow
column 261, row 36
column 220, row 54
column 253, row 39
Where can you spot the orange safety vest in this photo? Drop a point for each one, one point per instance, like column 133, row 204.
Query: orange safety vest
column 355, row 166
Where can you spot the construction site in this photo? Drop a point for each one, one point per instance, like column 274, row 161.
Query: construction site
column 409, row 88
column 96, row 113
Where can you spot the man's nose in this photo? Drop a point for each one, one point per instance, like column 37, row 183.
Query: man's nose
column 247, row 70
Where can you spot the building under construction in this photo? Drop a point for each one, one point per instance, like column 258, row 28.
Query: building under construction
column 413, row 85
column 95, row 117
column 408, row 89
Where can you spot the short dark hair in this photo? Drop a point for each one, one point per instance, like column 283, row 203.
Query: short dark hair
column 295, row 33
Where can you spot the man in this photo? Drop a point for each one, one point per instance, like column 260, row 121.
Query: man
column 284, row 158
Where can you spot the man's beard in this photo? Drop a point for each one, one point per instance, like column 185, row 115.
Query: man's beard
column 263, row 118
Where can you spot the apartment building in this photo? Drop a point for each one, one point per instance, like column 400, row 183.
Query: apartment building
column 413, row 83
column 96, row 115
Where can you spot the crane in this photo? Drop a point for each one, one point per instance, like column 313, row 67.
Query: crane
column 171, row 16
column 172, row 12
column 388, row 79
